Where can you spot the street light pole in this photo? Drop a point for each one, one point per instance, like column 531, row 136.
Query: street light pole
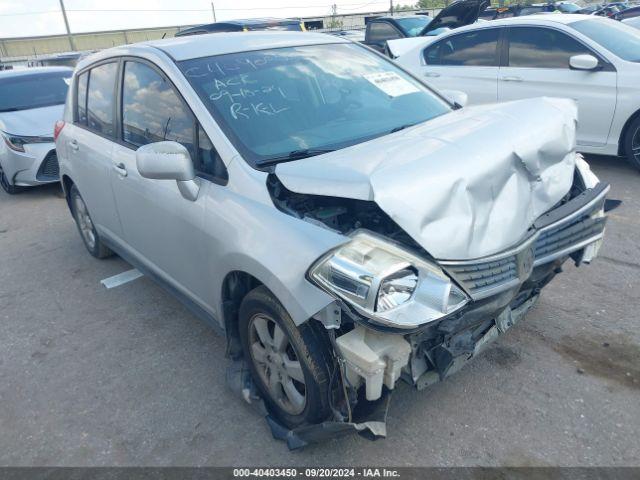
column 213, row 9
column 66, row 24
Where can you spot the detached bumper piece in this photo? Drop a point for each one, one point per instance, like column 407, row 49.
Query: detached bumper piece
column 369, row 419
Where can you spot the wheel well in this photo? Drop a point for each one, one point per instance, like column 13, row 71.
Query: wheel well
column 235, row 287
column 67, row 183
column 623, row 133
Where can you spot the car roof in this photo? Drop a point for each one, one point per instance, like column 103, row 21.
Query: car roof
column 256, row 21
column 210, row 44
column 17, row 72
column 556, row 18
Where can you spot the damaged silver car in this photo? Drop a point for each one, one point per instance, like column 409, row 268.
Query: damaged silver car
column 345, row 226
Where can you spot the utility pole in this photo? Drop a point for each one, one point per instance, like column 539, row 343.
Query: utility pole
column 390, row 7
column 213, row 9
column 66, row 24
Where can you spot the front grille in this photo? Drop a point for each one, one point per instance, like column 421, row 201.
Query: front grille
column 553, row 242
column 483, row 278
column 49, row 169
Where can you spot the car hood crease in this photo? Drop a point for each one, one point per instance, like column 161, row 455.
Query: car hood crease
column 464, row 185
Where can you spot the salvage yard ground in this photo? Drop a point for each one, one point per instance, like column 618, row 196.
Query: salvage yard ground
column 127, row 376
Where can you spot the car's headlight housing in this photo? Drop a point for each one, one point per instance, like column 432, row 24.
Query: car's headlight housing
column 17, row 142
column 386, row 283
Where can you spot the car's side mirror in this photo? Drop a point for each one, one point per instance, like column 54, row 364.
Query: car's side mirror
column 584, row 62
column 458, row 98
column 169, row 161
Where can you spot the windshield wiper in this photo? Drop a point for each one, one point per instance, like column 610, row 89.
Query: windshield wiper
column 402, row 127
column 295, row 155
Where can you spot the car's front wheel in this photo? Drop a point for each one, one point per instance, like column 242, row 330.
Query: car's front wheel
column 87, row 230
column 632, row 143
column 6, row 186
column 289, row 364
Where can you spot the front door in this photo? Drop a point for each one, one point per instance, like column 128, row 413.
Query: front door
column 538, row 65
column 162, row 229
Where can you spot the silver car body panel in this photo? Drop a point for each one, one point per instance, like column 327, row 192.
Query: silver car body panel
column 485, row 173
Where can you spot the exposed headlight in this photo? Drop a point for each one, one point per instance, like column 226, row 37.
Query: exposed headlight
column 386, row 283
column 17, row 142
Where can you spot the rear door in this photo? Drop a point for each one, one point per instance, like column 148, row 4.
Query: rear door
column 537, row 64
column 89, row 142
column 162, row 229
column 379, row 32
column 466, row 61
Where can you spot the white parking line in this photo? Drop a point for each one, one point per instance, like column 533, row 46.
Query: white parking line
column 121, row 278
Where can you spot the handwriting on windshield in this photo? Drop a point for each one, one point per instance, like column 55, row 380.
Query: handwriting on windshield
column 244, row 94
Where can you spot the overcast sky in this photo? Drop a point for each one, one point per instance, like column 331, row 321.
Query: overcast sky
column 23, row 18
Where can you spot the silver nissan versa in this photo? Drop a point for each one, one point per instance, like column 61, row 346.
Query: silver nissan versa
column 344, row 225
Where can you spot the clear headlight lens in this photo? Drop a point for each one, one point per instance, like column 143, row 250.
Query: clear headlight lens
column 386, row 283
column 17, row 142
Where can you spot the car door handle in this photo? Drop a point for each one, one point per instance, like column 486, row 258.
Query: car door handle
column 431, row 74
column 74, row 144
column 120, row 169
column 511, row 79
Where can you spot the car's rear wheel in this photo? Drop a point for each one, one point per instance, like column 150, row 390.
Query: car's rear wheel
column 6, row 186
column 288, row 363
column 632, row 143
column 87, row 230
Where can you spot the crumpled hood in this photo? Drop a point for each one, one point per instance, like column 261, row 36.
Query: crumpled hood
column 464, row 185
column 32, row 122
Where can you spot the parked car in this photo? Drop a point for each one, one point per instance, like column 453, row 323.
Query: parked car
column 382, row 29
column 632, row 22
column 340, row 222
column 567, row 7
column 31, row 100
column 592, row 60
column 245, row 25
column 630, row 12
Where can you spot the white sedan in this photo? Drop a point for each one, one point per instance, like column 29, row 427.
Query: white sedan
column 593, row 60
column 31, row 100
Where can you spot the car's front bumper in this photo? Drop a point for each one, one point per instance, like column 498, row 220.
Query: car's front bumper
column 37, row 165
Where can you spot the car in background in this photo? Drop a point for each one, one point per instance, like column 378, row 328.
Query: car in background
column 567, row 7
column 382, row 29
column 341, row 223
column 632, row 22
column 246, row 25
column 630, row 12
column 593, row 60
column 31, row 101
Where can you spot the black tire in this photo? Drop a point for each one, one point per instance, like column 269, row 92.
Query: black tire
column 311, row 348
column 6, row 186
column 632, row 143
column 87, row 230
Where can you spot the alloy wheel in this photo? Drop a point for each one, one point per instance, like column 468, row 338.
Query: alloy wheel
column 277, row 363
column 635, row 145
column 84, row 222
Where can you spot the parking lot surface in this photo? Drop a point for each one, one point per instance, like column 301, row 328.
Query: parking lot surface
column 127, row 376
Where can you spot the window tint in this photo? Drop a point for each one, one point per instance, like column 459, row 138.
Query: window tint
column 152, row 110
column 208, row 160
column 24, row 92
column 476, row 48
column 81, row 114
column 380, row 32
column 542, row 48
column 102, row 80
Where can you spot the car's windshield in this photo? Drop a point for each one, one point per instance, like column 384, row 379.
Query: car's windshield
column 278, row 104
column 412, row 26
column 26, row 91
column 568, row 7
column 620, row 39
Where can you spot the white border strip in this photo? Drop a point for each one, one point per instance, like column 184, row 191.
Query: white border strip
column 121, row 278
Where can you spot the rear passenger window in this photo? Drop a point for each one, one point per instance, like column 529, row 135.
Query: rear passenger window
column 475, row 48
column 152, row 111
column 100, row 98
column 81, row 113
